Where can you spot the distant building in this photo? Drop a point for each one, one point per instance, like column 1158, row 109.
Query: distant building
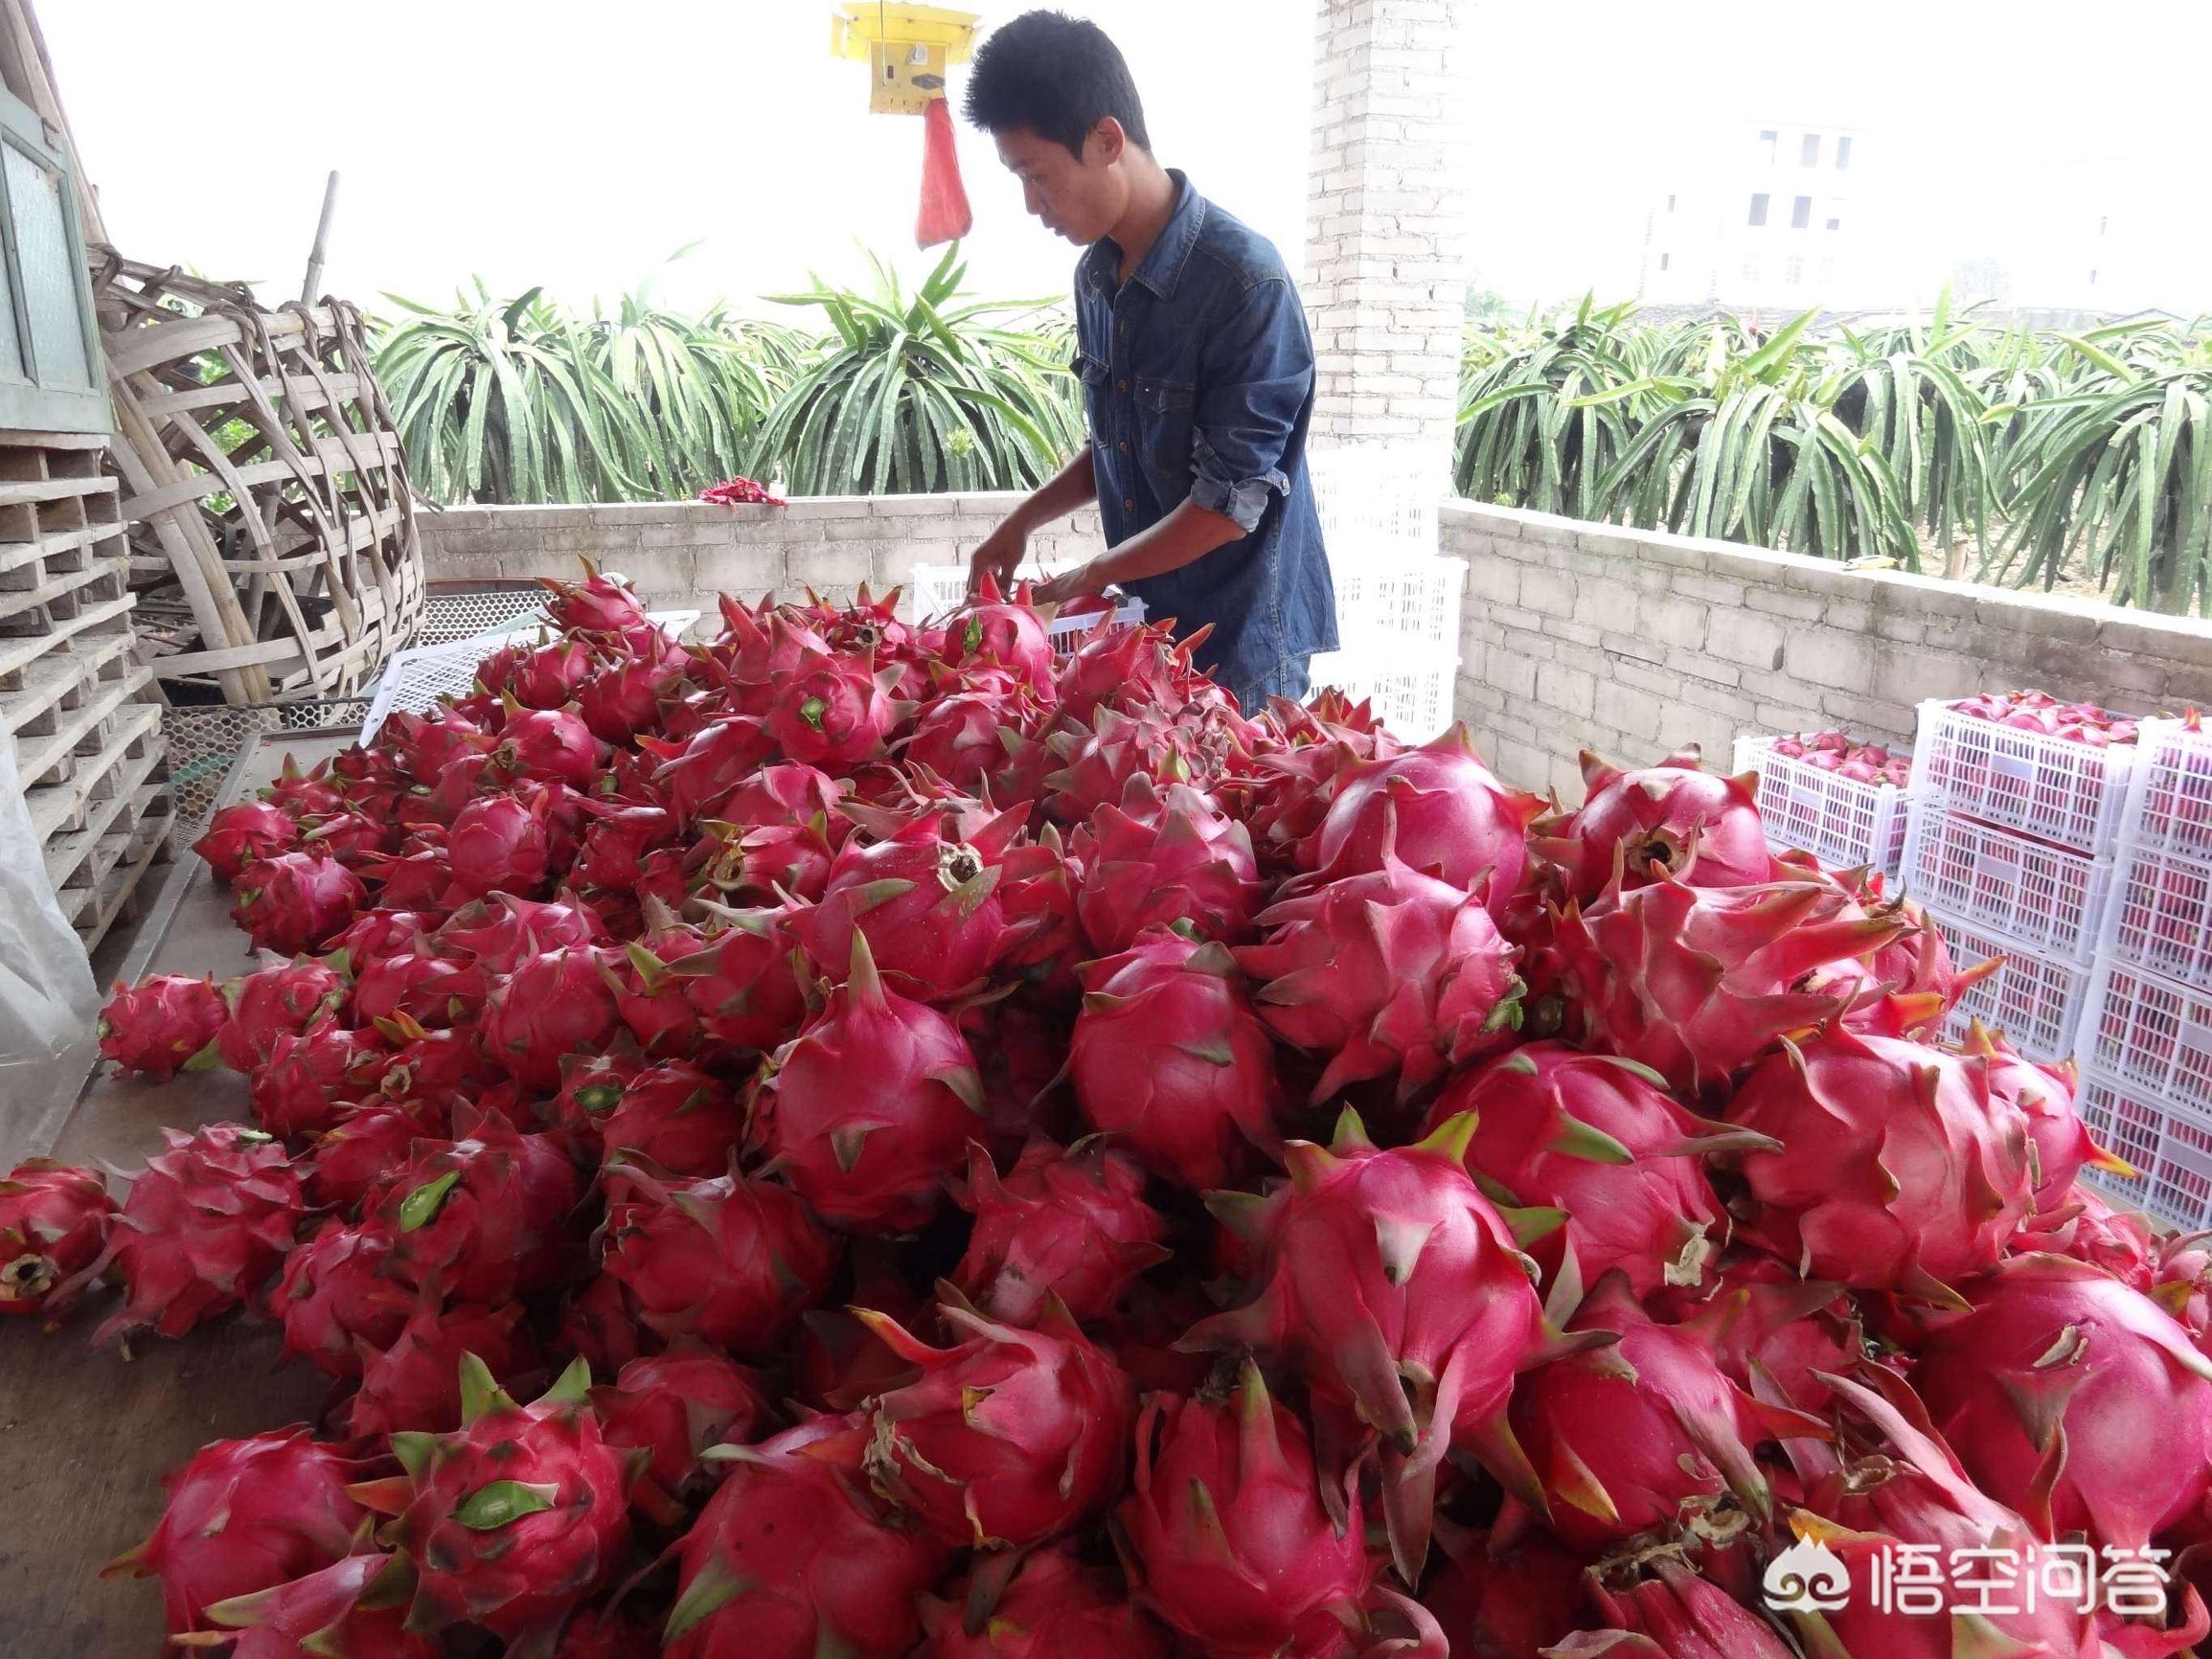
column 1769, row 218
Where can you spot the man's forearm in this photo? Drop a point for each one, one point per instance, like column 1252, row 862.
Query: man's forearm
column 1070, row 487
column 1183, row 537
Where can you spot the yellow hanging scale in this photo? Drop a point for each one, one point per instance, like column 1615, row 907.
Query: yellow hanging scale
column 907, row 50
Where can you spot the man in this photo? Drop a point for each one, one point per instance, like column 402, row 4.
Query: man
column 1197, row 371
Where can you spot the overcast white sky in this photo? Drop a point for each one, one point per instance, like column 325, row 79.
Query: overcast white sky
column 579, row 146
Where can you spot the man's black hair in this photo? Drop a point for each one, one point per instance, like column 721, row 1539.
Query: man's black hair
column 1056, row 74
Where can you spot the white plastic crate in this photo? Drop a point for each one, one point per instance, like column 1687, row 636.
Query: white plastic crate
column 2170, row 793
column 415, row 678
column 2035, row 999
column 1411, row 689
column 2169, row 1145
column 2061, row 791
column 1377, row 501
column 2159, row 915
column 1387, row 604
column 1841, row 822
column 2152, row 1033
column 2045, row 898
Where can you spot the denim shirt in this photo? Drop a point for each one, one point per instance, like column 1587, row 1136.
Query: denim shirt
column 1199, row 382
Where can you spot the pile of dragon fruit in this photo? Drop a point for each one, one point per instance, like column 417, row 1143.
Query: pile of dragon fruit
column 2042, row 714
column 848, row 1140
column 1841, row 753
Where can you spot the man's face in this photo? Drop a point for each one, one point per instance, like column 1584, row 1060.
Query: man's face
column 1079, row 199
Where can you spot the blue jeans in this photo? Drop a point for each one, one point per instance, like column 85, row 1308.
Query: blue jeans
column 1290, row 679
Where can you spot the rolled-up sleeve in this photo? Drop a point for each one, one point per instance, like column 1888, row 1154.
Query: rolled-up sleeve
column 1255, row 369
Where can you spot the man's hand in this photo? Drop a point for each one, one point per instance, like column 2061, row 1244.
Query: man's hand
column 998, row 556
column 1079, row 582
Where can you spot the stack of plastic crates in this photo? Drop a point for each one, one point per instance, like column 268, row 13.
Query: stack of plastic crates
column 2146, row 1041
column 1843, row 823
column 2009, row 852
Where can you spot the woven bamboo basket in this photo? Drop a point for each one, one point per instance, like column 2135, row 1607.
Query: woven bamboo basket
column 272, row 529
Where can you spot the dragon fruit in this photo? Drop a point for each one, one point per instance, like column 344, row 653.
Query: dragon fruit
column 354, row 1608
column 1448, row 816
column 1768, row 1329
column 991, row 629
column 547, row 743
column 1097, row 761
column 482, row 1218
column 784, row 794
column 1168, row 859
column 516, row 1517
column 1628, row 1438
column 163, row 1025
column 497, row 934
column 337, row 1297
column 429, row 989
column 1896, row 1169
column 926, row 900
column 869, row 1110
column 2074, row 1399
column 298, row 794
column 1389, row 974
column 1397, row 1288
column 500, row 843
column 1225, row 1537
column 245, row 1515
column 309, row 1081
column 1901, row 1486
column 793, row 1559
column 1071, row 1224
column 1699, row 983
column 834, row 713
column 271, row 1002
column 54, row 1221
column 1007, row 1438
column 1598, row 1139
column 732, row 1260
column 674, row 1405
column 597, row 604
column 362, row 1147
column 557, row 1003
column 596, row 1325
column 426, row 745
column 962, row 738
column 1657, row 1595
column 1507, row 1606
column 242, row 834
column 206, row 1225
column 1169, row 1059
column 615, row 847
column 717, row 759
column 295, row 903
column 741, row 984
column 413, row 1385
column 1694, row 826
column 677, row 1118
column 355, row 839
column 1113, row 663
column 2044, row 1095
column 1053, row 1607
column 624, row 696
column 547, row 677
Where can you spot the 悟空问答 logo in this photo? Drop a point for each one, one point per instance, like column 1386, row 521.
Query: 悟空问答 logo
column 1806, row 1577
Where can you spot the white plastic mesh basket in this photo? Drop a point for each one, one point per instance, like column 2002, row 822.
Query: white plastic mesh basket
column 1388, row 605
column 2061, row 791
column 2035, row 999
column 2160, row 913
column 2170, row 794
column 459, row 616
column 2169, row 1145
column 2050, row 899
column 1375, row 502
column 934, row 589
column 2152, row 1033
column 415, row 678
column 1841, row 822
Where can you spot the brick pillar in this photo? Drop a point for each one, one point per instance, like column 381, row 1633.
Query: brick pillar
column 1387, row 250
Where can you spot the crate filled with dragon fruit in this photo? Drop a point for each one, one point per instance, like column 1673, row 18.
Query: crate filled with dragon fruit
column 2024, row 760
column 2159, row 915
column 2046, row 898
column 2157, row 1153
column 2170, row 795
column 1828, row 794
column 843, row 1137
column 2034, row 997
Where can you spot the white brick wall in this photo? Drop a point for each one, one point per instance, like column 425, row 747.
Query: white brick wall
column 1387, row 246
column 1581, row 635
column 683, row 553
